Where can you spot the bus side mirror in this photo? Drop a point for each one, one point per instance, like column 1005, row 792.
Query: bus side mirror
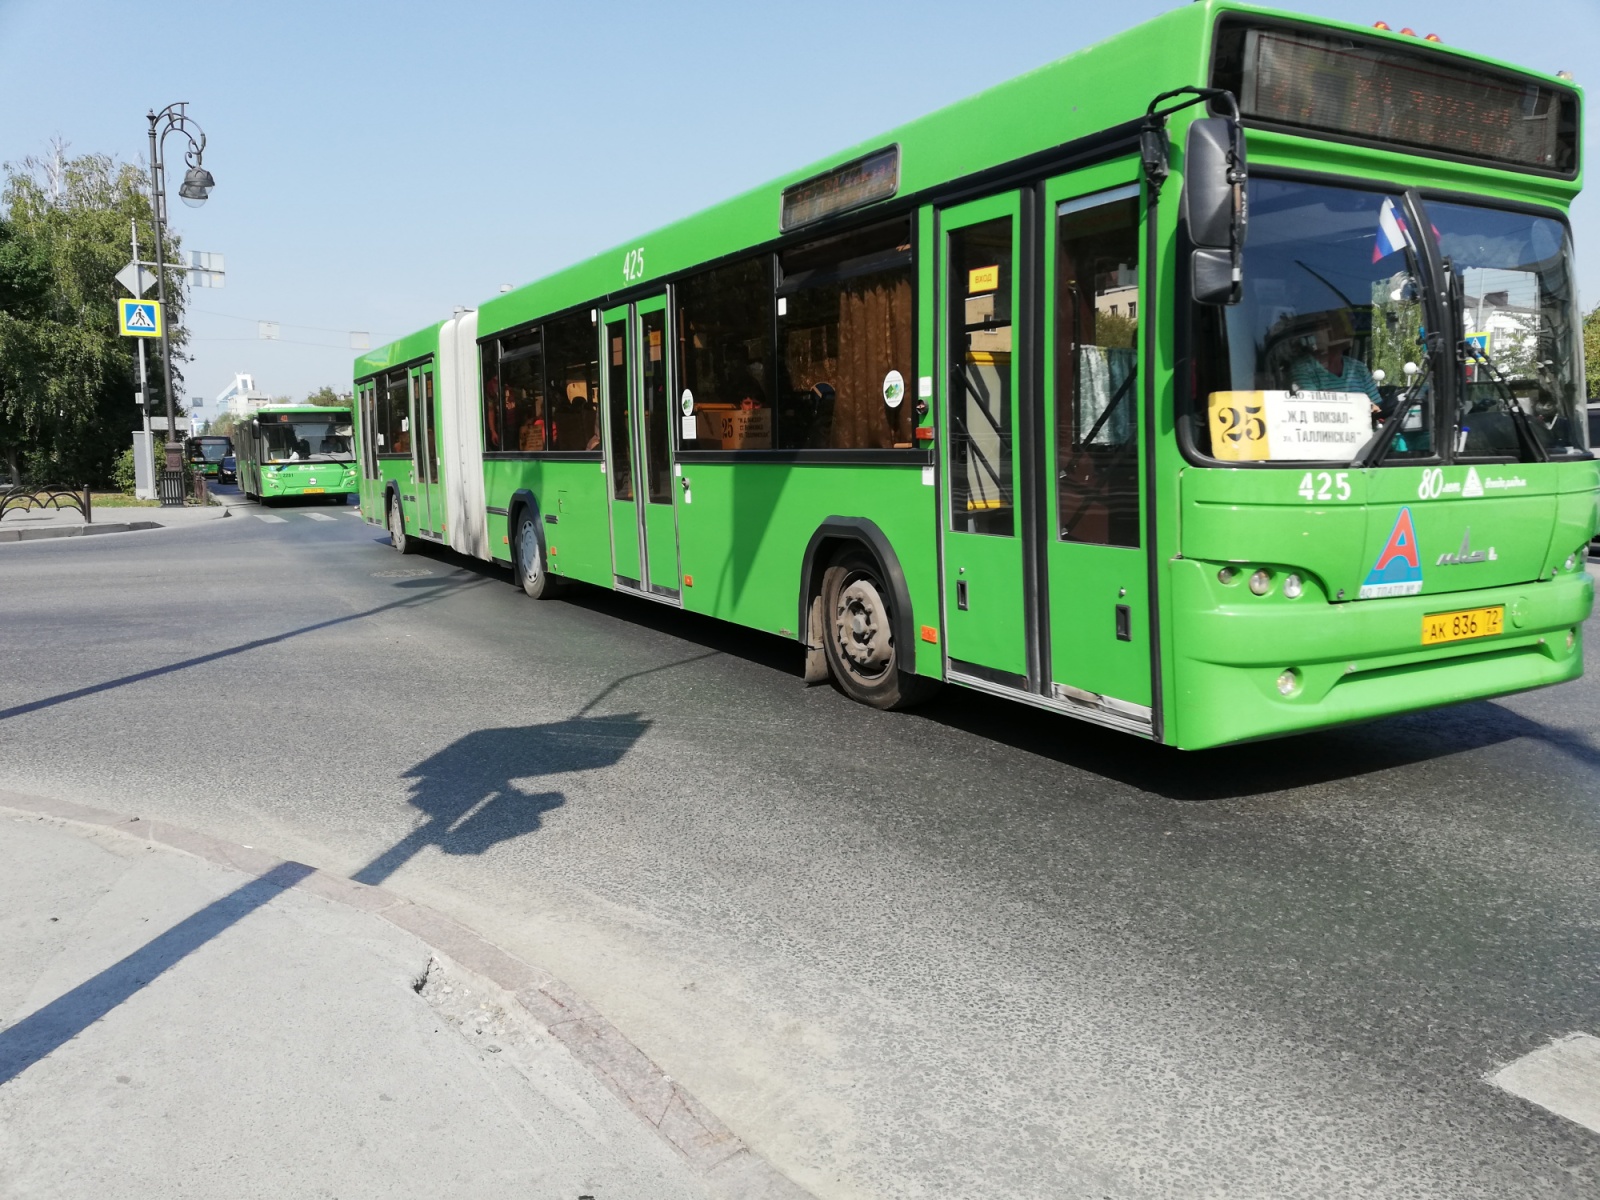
column 1215, row 209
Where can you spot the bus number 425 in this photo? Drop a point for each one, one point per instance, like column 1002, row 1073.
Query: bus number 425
column 1325, row 485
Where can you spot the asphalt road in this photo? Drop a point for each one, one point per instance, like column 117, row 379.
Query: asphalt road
column 970, row 951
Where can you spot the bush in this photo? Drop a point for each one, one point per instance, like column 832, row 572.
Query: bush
column 122, row 473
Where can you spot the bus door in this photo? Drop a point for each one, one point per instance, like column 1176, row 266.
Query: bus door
column 425, row 453
column 644, row 524
column 366, row 431
column 985, row 601
column 1045, row 572
column 1096, row 559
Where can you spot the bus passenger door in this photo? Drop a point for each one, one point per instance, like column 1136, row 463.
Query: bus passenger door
column 644, row 524
column 625, row 556
column 985, row 600
column 425, row 452
column 1096, row 559
column 367, row 431
column 654, row 413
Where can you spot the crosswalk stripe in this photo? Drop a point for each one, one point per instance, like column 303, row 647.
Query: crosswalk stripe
column 319, row 516
column 1563, row 1076
column 268, row 517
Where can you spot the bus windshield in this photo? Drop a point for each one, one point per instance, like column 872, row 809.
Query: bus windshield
column 1519, row 309
column 210, row 449
column 305, row 439
column 1328, row 340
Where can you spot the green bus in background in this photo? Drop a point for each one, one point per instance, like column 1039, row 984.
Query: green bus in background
column 1217, row 382
column 205, row 453
column 287, row 450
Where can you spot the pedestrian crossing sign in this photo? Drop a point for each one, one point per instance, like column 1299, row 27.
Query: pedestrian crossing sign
column 139, row 318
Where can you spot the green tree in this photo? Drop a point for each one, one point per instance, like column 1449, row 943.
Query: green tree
column 1591, row 353
column 329, row 398
column 66, row 377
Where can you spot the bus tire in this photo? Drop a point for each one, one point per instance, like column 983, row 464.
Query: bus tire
column 397, row 527
column 528, row 560
column 858, row 628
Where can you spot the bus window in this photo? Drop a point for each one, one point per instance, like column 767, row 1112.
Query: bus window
column 844, row 330
column 490, row 354
column 657, row 414
column 1097, row 376
column 394, row 422
column 522, row 398
column 725, row 354
column 981, row 485
column 573, row 383
column 617, row 401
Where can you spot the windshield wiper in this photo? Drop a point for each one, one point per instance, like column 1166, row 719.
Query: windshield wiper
column 1372, row 453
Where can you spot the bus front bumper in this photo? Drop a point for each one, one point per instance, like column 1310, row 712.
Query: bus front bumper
column 1257, row 667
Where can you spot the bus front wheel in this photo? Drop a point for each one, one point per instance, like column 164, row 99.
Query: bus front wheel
column 397, row 528
column 859, row 636
column 531, row 573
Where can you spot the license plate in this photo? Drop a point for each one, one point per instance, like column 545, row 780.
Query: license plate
column 1462, row 625
column 309, row 491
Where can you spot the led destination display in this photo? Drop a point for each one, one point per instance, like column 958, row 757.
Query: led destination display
column 1383, row 93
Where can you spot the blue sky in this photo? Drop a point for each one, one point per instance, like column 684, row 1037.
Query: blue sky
column 380, row 163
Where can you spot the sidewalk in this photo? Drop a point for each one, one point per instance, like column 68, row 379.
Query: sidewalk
column 69, row 522
column 174, row 1025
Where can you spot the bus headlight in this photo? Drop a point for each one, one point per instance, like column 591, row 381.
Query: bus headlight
column 1261, row 581
column 1293, row 587
column 1289, row 682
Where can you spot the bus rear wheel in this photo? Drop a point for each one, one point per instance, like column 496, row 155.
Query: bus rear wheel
column 531, row 574
column 858, row 627
column 397, row 528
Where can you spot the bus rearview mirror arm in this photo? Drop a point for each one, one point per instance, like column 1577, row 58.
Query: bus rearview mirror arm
column 1215, row 206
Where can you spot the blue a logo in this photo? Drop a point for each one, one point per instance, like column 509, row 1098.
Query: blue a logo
column 1398, row 571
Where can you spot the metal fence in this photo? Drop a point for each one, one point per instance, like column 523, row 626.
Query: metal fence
column 24, row 498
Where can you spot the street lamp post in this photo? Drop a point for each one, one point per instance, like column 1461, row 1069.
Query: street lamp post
column 197, row 185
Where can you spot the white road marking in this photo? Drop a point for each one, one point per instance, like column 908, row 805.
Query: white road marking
column 1563, row 1077
column 272, row 519
column 320, row 516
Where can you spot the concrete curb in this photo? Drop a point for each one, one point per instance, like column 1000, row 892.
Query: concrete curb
column 728, row 1167
column 81, row 529
column 60, row 531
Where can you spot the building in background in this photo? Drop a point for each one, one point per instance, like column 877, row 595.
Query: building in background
column 241, row 397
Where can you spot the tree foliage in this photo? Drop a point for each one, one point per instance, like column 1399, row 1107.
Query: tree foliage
column 66, row 378
column 1591, row 353
column 329, row 398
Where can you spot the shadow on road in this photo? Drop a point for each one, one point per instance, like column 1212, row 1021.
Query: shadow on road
column 1282, row 764
column 471, row 791
column 429, row 590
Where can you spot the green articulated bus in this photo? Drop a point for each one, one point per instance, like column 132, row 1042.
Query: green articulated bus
column 205, row 454
column 287, row 450
column 1217, row 382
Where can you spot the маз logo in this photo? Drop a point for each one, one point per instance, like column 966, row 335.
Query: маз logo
column 1398, row 571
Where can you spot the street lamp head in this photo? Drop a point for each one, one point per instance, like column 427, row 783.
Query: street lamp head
column 197, row 185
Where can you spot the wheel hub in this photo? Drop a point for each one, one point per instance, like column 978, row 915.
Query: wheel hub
column 862, row 626
column 528, row 542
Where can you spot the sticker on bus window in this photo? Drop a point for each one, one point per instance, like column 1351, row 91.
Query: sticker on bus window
column 894, row 389
column 983, row 279
column 686, row 402
column 1293, row 427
